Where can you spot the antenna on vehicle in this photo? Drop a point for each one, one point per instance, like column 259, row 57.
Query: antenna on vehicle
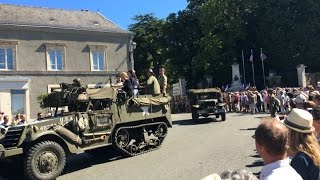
column 110, row 81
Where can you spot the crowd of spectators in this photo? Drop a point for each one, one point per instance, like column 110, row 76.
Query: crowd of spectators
column 289, row 148
column 180, row 104
column 6, row 121
column 274, row 101
column 18, row 119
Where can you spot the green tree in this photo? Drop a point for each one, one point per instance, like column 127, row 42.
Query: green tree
column 182, row 35
column 224, row 25
column 289, row 31
column 149, row 38
column 205, row 38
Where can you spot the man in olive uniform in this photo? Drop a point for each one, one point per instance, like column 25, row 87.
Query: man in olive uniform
column 153, row 86
column 76, row 82
column 163, row 81
column 252, row 99
column 274, row 103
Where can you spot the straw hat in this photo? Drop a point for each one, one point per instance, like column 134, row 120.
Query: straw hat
column 299, row 120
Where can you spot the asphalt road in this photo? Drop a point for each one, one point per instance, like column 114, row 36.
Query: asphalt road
column 190, row 151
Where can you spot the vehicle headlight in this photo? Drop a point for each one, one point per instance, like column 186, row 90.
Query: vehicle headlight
column 196, row 106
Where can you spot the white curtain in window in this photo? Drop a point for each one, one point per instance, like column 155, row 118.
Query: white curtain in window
column 56, row 59
column 6, row 58
column 98, row 60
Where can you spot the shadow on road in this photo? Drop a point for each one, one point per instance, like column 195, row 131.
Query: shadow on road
column 187, row 122
column 255, row 156
column 9, row 169
column 262, row 117
column 74, row 163
column 257, row 163
column 249, row 114
column 248, row 129
column 94, row 157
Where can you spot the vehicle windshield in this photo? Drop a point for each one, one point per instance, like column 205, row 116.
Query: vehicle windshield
column 208, row 96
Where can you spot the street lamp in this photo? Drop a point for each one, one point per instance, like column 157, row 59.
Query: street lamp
column 133, row 46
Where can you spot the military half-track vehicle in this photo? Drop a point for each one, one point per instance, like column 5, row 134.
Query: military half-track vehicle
column 206, row 102
column 96, row 118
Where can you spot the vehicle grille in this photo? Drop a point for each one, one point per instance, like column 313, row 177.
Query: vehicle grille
column 208, row 104
column 12, row 136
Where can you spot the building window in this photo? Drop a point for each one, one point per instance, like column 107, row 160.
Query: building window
column 55, row 57
column 18, row 102
column 6, row 58
column 8, row 55
column 98, row 58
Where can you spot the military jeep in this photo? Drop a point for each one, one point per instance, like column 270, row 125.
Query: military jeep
column 206, row 102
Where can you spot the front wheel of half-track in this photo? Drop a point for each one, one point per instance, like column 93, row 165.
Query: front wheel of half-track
column 45, row 160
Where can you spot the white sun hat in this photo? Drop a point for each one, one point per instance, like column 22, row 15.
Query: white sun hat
column 299, row 120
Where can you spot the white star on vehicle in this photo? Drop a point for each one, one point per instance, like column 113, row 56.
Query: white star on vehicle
column 145, row 110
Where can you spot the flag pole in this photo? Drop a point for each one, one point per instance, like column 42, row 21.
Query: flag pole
column 244, row 70
column 254, row 82
column 262, row 61
column 251, row 59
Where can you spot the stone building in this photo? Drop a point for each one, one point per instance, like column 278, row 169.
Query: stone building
column 42, row 47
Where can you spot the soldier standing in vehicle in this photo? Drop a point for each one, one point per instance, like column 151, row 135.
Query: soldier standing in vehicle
column 76, row 82
column 163, row 81
column 153, row 86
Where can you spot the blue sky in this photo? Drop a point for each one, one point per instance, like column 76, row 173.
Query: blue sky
column 118, row 11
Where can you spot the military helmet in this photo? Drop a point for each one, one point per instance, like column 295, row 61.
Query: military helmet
column 150, row 71
column 76, row 80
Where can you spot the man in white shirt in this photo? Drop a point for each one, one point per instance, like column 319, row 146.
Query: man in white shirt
column 271, row 138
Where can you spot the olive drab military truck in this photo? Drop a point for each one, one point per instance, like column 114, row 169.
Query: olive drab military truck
column 96, row 118
column 206, row 102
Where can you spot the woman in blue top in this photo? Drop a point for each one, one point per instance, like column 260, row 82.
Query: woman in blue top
column 303, row 144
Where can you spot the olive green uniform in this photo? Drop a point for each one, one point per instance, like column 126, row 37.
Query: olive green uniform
column 153, row 86
column 274, row 105
column 163, row 81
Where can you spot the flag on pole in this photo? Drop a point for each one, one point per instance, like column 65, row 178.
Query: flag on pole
column 251, row 57
column 248, row 86
column 262, row 56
